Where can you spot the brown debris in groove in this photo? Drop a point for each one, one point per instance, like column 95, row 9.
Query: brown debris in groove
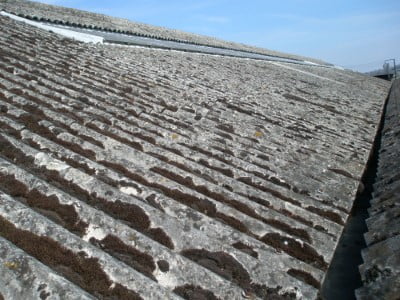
column 146, row 138
column 91, row 140
column 201, row 205
column 83, row 167
column 84, row 271
column 151, row 199
column 183, row 167
column 261, row 166
column 176, row 151
column 276, row 181
column 31, row 121
column 259, row 201
column 130, row 213
column 224, row 150
column 192, row 292
column 72, row 162
column 188, row 182
column 220, row 263
column 301, row 233
column 122, row 140
column 263, row 157
column 225, row 171
column 5, row 128
column 296, row 217
column 301, row 251
column 285, row 212
column 296, row 98
column 3, row 109
column 305, row 277
column 229, row 268
column 233, row 222
column 205, row 152
column 342, row 172
column 245, row 249
column 226, row 127
column 176, row 123
column 138, row 260
column 224, row 135
column 330, row 215
column 267, row 293
column 249, row 181
column 50, row 206
column 102, row 119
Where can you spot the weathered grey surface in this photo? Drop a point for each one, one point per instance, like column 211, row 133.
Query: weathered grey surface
column 381, row 269
column 22, row 277
column 78, row 17
column 232, row 175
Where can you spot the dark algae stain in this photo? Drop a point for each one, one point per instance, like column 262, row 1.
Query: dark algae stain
column 140, row 261
column 84, row 271
column 192, row 292
column 229, row 268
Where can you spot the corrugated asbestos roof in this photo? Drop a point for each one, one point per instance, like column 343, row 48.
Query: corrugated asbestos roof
column 89, row 20
column 133, row 173
column 380, row 272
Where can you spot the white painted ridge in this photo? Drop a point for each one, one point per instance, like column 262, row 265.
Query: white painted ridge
column 82, row 37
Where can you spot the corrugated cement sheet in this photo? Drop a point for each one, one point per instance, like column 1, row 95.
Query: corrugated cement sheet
column 138, row 173
column 78, row 18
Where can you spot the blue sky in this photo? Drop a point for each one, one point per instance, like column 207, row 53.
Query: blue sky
column 351, row 33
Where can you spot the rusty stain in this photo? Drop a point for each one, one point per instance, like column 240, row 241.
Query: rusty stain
column 12, row 265
column 258, row 134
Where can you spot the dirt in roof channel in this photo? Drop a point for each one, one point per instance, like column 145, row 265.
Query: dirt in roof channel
column 140, row 261
column 191, row 292
column 65, row 215
column 296, row 249
column 245, row 249
column 305, row 277
column 82, row 270
column 228, row 267
column 131, row 213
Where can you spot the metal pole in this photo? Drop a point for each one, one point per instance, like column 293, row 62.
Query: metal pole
column 394, row 66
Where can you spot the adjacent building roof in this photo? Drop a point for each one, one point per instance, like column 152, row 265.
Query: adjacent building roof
column 140, row 173
column 380, row 271
column 89, row 20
